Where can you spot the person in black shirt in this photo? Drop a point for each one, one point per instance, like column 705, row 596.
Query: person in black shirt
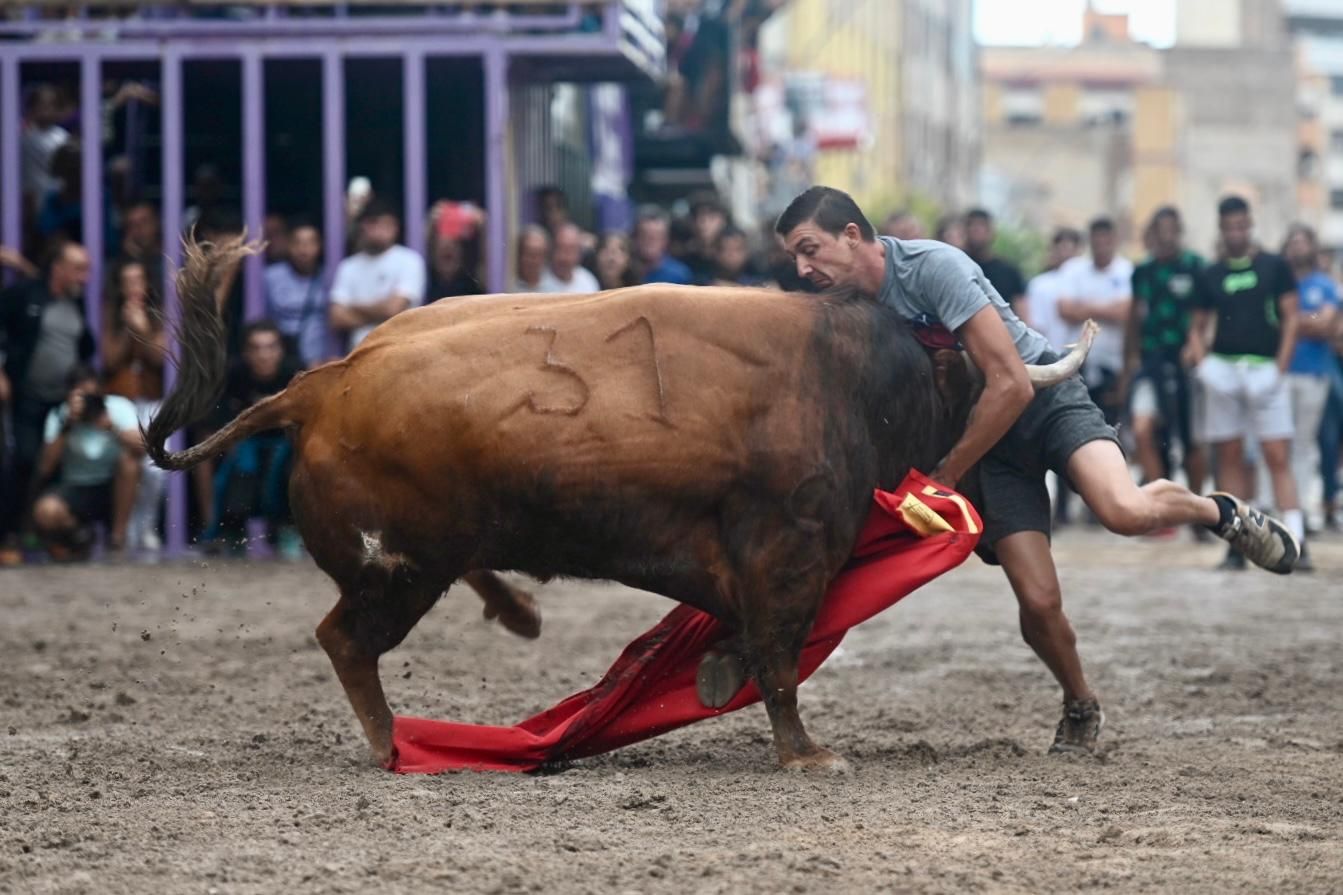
column 1248, row 301
column 251, row 478
column 1004, row 276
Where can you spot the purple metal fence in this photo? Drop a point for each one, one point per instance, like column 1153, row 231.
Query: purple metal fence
column 626, row 46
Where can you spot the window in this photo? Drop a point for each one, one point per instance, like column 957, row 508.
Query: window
column 1023, row 104
column 1336, row 200
column 1336, row 85
column 1336, row 140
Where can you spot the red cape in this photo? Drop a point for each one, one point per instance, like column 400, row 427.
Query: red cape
column 912, row 535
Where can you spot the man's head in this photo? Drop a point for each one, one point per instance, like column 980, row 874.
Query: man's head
column 1235, row 225
column 69, row 270
column 731, row 253
column 1166, row 231
column 44, row 106
column 553, row 207
column 978, row 233
column 903, row 225
column 1104, row 241
column 652, row 234
column 143, row 234
column 262, row 349
column 1065, row 244
column 275, row 232
column 568, row 251
column 83, row 379
column 709, row 218
column 1302, row 247
column 533, row 247
column 379, row 227
column 304, row 243
column 825, row 231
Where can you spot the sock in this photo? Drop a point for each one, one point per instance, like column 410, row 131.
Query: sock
column 1295, row 521
column 1227, row 510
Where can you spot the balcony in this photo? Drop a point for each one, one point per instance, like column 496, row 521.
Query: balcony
column 591, row 40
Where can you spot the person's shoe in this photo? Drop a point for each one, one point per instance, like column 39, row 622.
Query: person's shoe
column 1078, row 728
column 1261, row 539
column 1234, row 561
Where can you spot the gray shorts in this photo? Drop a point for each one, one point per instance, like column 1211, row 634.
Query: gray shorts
column 1008, row 485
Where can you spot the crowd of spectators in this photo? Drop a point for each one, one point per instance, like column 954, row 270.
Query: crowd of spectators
column 1258, row 404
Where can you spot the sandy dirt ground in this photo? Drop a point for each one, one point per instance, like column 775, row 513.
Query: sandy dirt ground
column 177, row 729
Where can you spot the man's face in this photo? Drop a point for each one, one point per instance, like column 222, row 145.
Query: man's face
column 821, row 258
column 305, row 247
column 1236, row 229
column 531, row 257
column 1061, row 250
column 732, row 255
column 651, row 241
column 1166, row 236
column 262, row 354
column 1300, row 251
column 276, row 236
column 1102, row 247
column 142, row 228
column 70, row 273
column 378, row 234
column 978, row 235
column 46, row 108
column 568, row 252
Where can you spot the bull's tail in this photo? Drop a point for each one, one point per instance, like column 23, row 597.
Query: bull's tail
column 202, row 362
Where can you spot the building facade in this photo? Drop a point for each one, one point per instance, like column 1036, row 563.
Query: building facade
column 1317, row 26
column 887, row 91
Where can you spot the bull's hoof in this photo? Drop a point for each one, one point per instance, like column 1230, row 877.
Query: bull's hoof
column 521, row 616
column 820, row 760
column 719, row 678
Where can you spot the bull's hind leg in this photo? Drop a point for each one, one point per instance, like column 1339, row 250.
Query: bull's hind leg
column 779, row 618
column 515, row 608
column 373, row 616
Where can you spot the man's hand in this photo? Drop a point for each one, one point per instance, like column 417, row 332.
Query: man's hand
column 1007, row 391
column 75, row 403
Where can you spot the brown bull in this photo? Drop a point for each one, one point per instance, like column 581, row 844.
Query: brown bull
column 717, row 446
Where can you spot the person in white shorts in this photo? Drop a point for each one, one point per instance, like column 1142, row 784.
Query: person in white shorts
column 1242, row 339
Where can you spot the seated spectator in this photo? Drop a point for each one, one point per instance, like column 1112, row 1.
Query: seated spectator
column 134, row 346
column 252, row 477
column 614, row 268
column 651, row 237
column 566, row 274
column 45, row 335
column 92, row 448
column 380, row 281
column 296, row 296
column 732, row 260
column 533, row 247
column 42, row 135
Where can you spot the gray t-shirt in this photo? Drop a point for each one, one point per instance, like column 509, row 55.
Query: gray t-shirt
column 930, row 283
column 57, row 349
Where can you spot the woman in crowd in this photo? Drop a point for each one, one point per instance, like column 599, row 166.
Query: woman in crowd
column 134, row 346
column 614, row 266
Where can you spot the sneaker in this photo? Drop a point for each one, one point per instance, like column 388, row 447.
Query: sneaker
column 1261, row 539
column 1078, row 728
column 1234, row 561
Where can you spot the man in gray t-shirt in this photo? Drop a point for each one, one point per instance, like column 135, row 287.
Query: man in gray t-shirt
column 1014, row 436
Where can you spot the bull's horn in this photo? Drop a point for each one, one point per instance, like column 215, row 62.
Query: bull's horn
column 1043, row 375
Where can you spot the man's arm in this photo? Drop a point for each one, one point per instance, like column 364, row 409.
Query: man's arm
column 1007, row 391
column 1288, row 321
column 1321, row 324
